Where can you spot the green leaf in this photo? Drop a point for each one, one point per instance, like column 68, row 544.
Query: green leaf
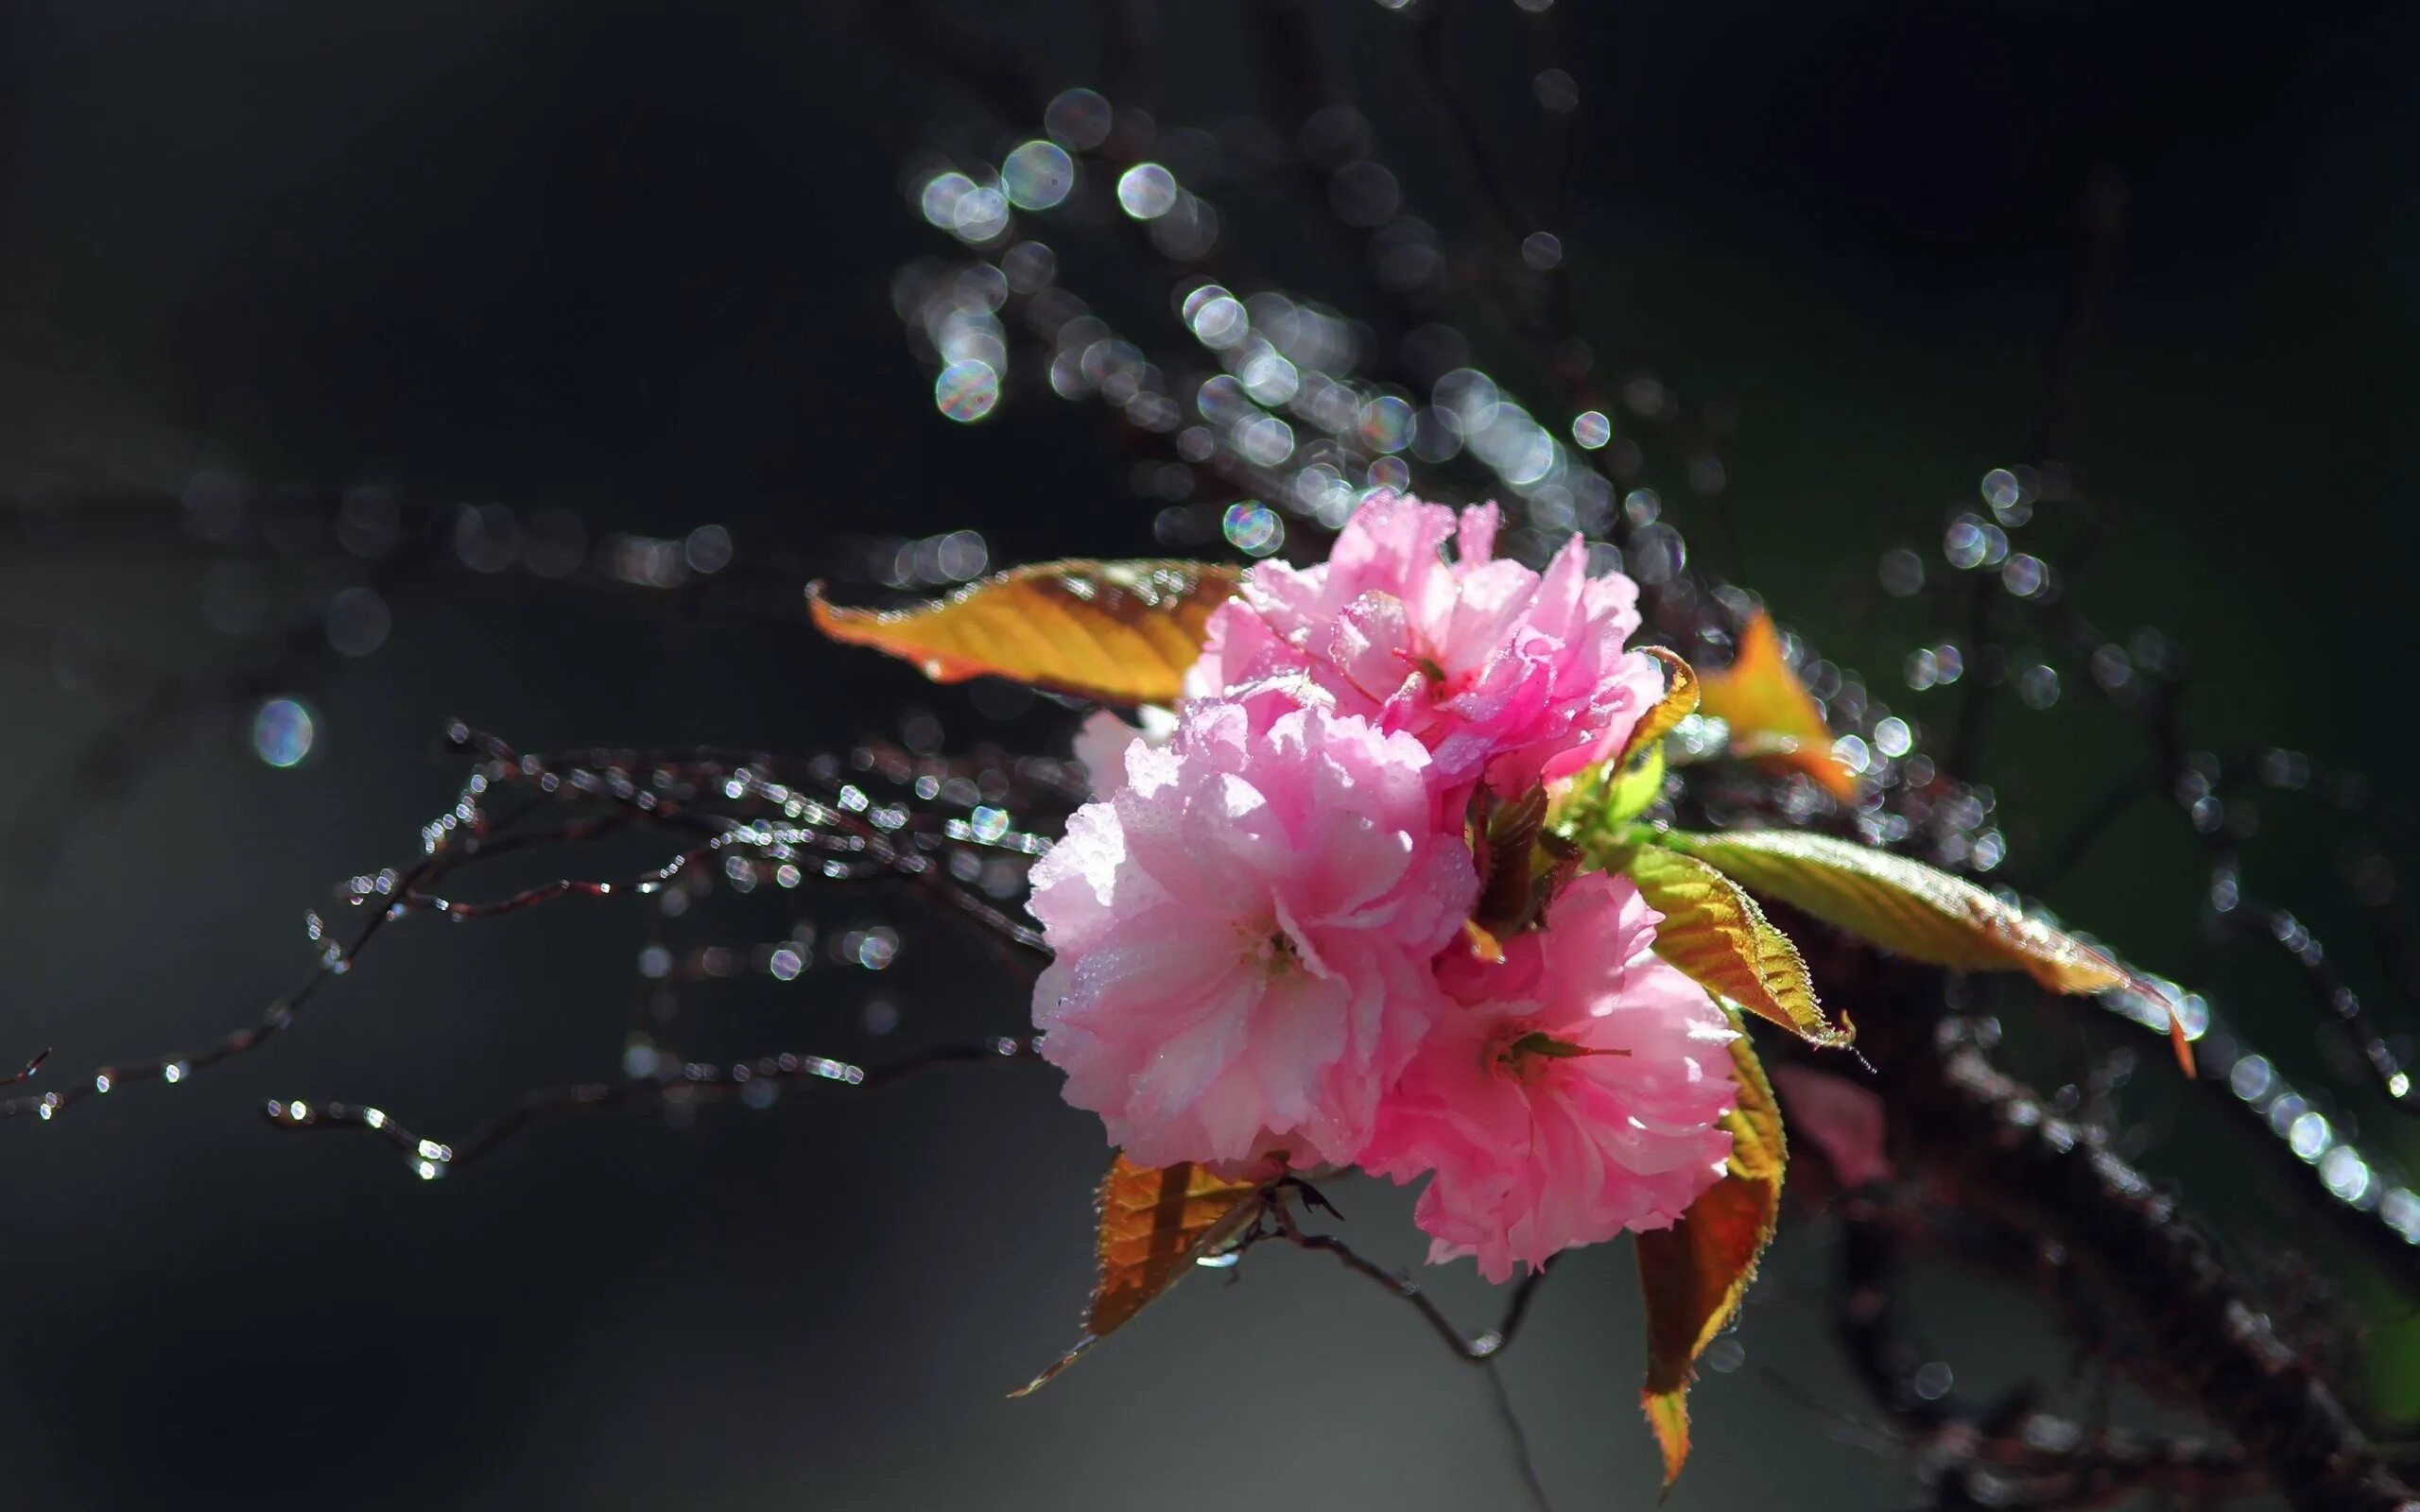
column 1539, row 1042
column 1695, row 1274
column 1635, row 787
column 1903, row 906
column 1611, row 793
column 1915, row 911
column 1634, row 778
column 1715, row 934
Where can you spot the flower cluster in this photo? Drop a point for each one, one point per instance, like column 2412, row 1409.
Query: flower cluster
column 1260, row 927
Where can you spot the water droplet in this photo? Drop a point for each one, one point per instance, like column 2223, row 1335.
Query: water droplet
column 1963, row 543
column 2345, row 1174
column 1932, row 1381
column 2025, row 576
column 1078, row 117
column 1902, row 572
column 966, row 391
column 282, row 732
column 1147, row 191
column 2037, row 686
column 877, row 948
column 707, row 549
column 640, row 1059
column 1037, row 175
column 1253, row 526
column 358, row 622
column 2310, row 1135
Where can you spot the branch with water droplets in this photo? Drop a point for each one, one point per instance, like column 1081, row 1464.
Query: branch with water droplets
column 176, row 1067
column 2010, row 1452
column 691, row 1082
column 468, row 832
column 2004, row 1153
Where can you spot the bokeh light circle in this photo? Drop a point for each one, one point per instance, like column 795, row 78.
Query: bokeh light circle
column 283, row 732
column 1253, row 526
column 1147, row 191
column 966, row 391
column 1038, row 175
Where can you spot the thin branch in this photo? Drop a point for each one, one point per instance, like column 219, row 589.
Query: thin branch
column 1438, row 73
column 469, row 832
column 2329, row 989
column 1478, row 1350
column 176, row 1067
column 1483, row 1350
column 690, row 1081
column 1516, row 1435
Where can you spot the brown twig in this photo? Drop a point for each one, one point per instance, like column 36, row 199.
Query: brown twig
column 2004, row 1152
column 1476, row 1350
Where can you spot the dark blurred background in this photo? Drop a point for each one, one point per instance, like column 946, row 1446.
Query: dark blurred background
column 632, row 262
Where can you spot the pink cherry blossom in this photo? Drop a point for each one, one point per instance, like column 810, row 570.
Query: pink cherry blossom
column 1501, row 671
column 1100, row 744
column 1243, row 932
column 1573, row 1094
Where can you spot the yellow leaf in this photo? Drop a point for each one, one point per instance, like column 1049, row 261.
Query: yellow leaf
column 1680, row 701
column 1914, row 910
column 1769, row 710
column 1695, row 1272
column 1622, row 788
column 1120, row 632
column 1903, row 905
column 1155, row 1224
column 1715, row 933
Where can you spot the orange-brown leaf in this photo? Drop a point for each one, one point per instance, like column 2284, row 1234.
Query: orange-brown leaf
column 1155, row 1224
column 1120, row 632
column 1695, row 1272
column 1769, row 710
column 1483, row 942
